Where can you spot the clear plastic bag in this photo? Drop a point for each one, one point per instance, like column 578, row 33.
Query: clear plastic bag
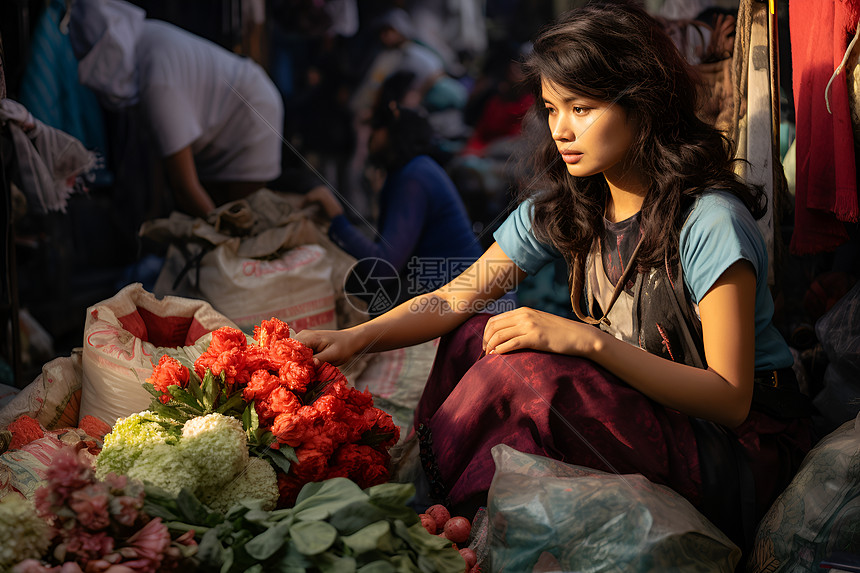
column 839, row 334
column 819, row 511
column 546, row 515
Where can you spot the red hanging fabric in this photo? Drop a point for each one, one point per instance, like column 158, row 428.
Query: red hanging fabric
column 826, row 191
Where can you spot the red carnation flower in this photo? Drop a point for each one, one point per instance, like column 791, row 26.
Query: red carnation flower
column 24, row 430
column 296, row 376
column 282, row 401
column 326, row 372
column 329, row 406
column 231, row 363
column 94, row 427
column 262, row 384
column 290, row 350
column 293, row 428
column 270, row 331
column 257, row 358
column 168, row 372
column 225, row 339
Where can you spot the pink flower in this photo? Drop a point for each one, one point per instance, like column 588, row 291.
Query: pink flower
column 116, row 482
column 146, row 547
column 87, row 545
column 90, row 505
column 32, row 566
column 66, row 474
column 125, row 509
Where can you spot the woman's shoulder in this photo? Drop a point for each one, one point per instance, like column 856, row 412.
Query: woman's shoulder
column 716, row 203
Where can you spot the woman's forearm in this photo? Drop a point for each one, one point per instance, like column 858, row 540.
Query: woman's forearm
column 694, row 391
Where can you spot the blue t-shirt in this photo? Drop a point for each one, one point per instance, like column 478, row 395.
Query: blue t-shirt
column 424, row 232
column 718, row 232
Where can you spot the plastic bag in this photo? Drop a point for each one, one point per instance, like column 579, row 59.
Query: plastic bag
column 839, row 334
column 819, row 511
column 550, row 516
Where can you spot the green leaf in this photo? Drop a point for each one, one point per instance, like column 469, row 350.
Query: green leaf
column 377, row 567
column 227, row 563
column 312, row 537
column 277, row 458
column 367, row 538
column 151, row 389
column 183, row 397
column 267, row 543
column 448, row 559
column 258, row 515
column 258, row 568
column 330, row 562
column 238, row 510
column 210, row 391
column 420, row 540
column 246, row 419
column 169, row 412
column 194, row 386
column 190, row 507
column 233, row 402
column 210, row 552
column 404, row 564
column 358, row 514
column 158, row 510
column 292, row 560
column 391, row 493
column 398, row 511
column 319, row 500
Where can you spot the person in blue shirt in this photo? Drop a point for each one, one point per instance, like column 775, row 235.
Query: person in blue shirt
column 424, row 233
column 668, row 278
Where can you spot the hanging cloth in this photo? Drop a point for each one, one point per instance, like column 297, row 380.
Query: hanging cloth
column 49, row 160
column 826, row 185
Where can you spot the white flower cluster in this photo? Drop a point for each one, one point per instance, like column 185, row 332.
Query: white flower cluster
column 23, row 534
column 257, row 481
column 210, row 459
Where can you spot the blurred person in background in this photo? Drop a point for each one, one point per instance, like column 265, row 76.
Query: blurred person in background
column 216, row 117
column 424, row 232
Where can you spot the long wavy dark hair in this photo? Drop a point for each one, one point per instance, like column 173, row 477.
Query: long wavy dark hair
column 616, row 52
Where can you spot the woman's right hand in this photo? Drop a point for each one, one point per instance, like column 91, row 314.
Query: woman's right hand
column 332, row 346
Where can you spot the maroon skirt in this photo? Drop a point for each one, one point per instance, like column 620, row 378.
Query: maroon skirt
column 573, row 410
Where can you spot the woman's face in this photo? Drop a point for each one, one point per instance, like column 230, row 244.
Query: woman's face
column 592, row 136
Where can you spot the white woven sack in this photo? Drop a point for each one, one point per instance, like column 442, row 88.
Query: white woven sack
column 294, row 287
column 116, row 361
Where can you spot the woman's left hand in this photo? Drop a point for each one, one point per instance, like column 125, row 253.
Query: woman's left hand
column 326, row 198
column 537, row 330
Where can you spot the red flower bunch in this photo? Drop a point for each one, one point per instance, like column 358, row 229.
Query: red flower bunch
column 333, row 429
column 97, row 525
column 24, row 430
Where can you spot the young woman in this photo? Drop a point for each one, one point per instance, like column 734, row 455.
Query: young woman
column 638, row 195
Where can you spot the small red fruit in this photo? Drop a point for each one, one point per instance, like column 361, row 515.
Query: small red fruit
column 428, row 522
column 440, row 513
column 457, row 529
column 470, row 557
